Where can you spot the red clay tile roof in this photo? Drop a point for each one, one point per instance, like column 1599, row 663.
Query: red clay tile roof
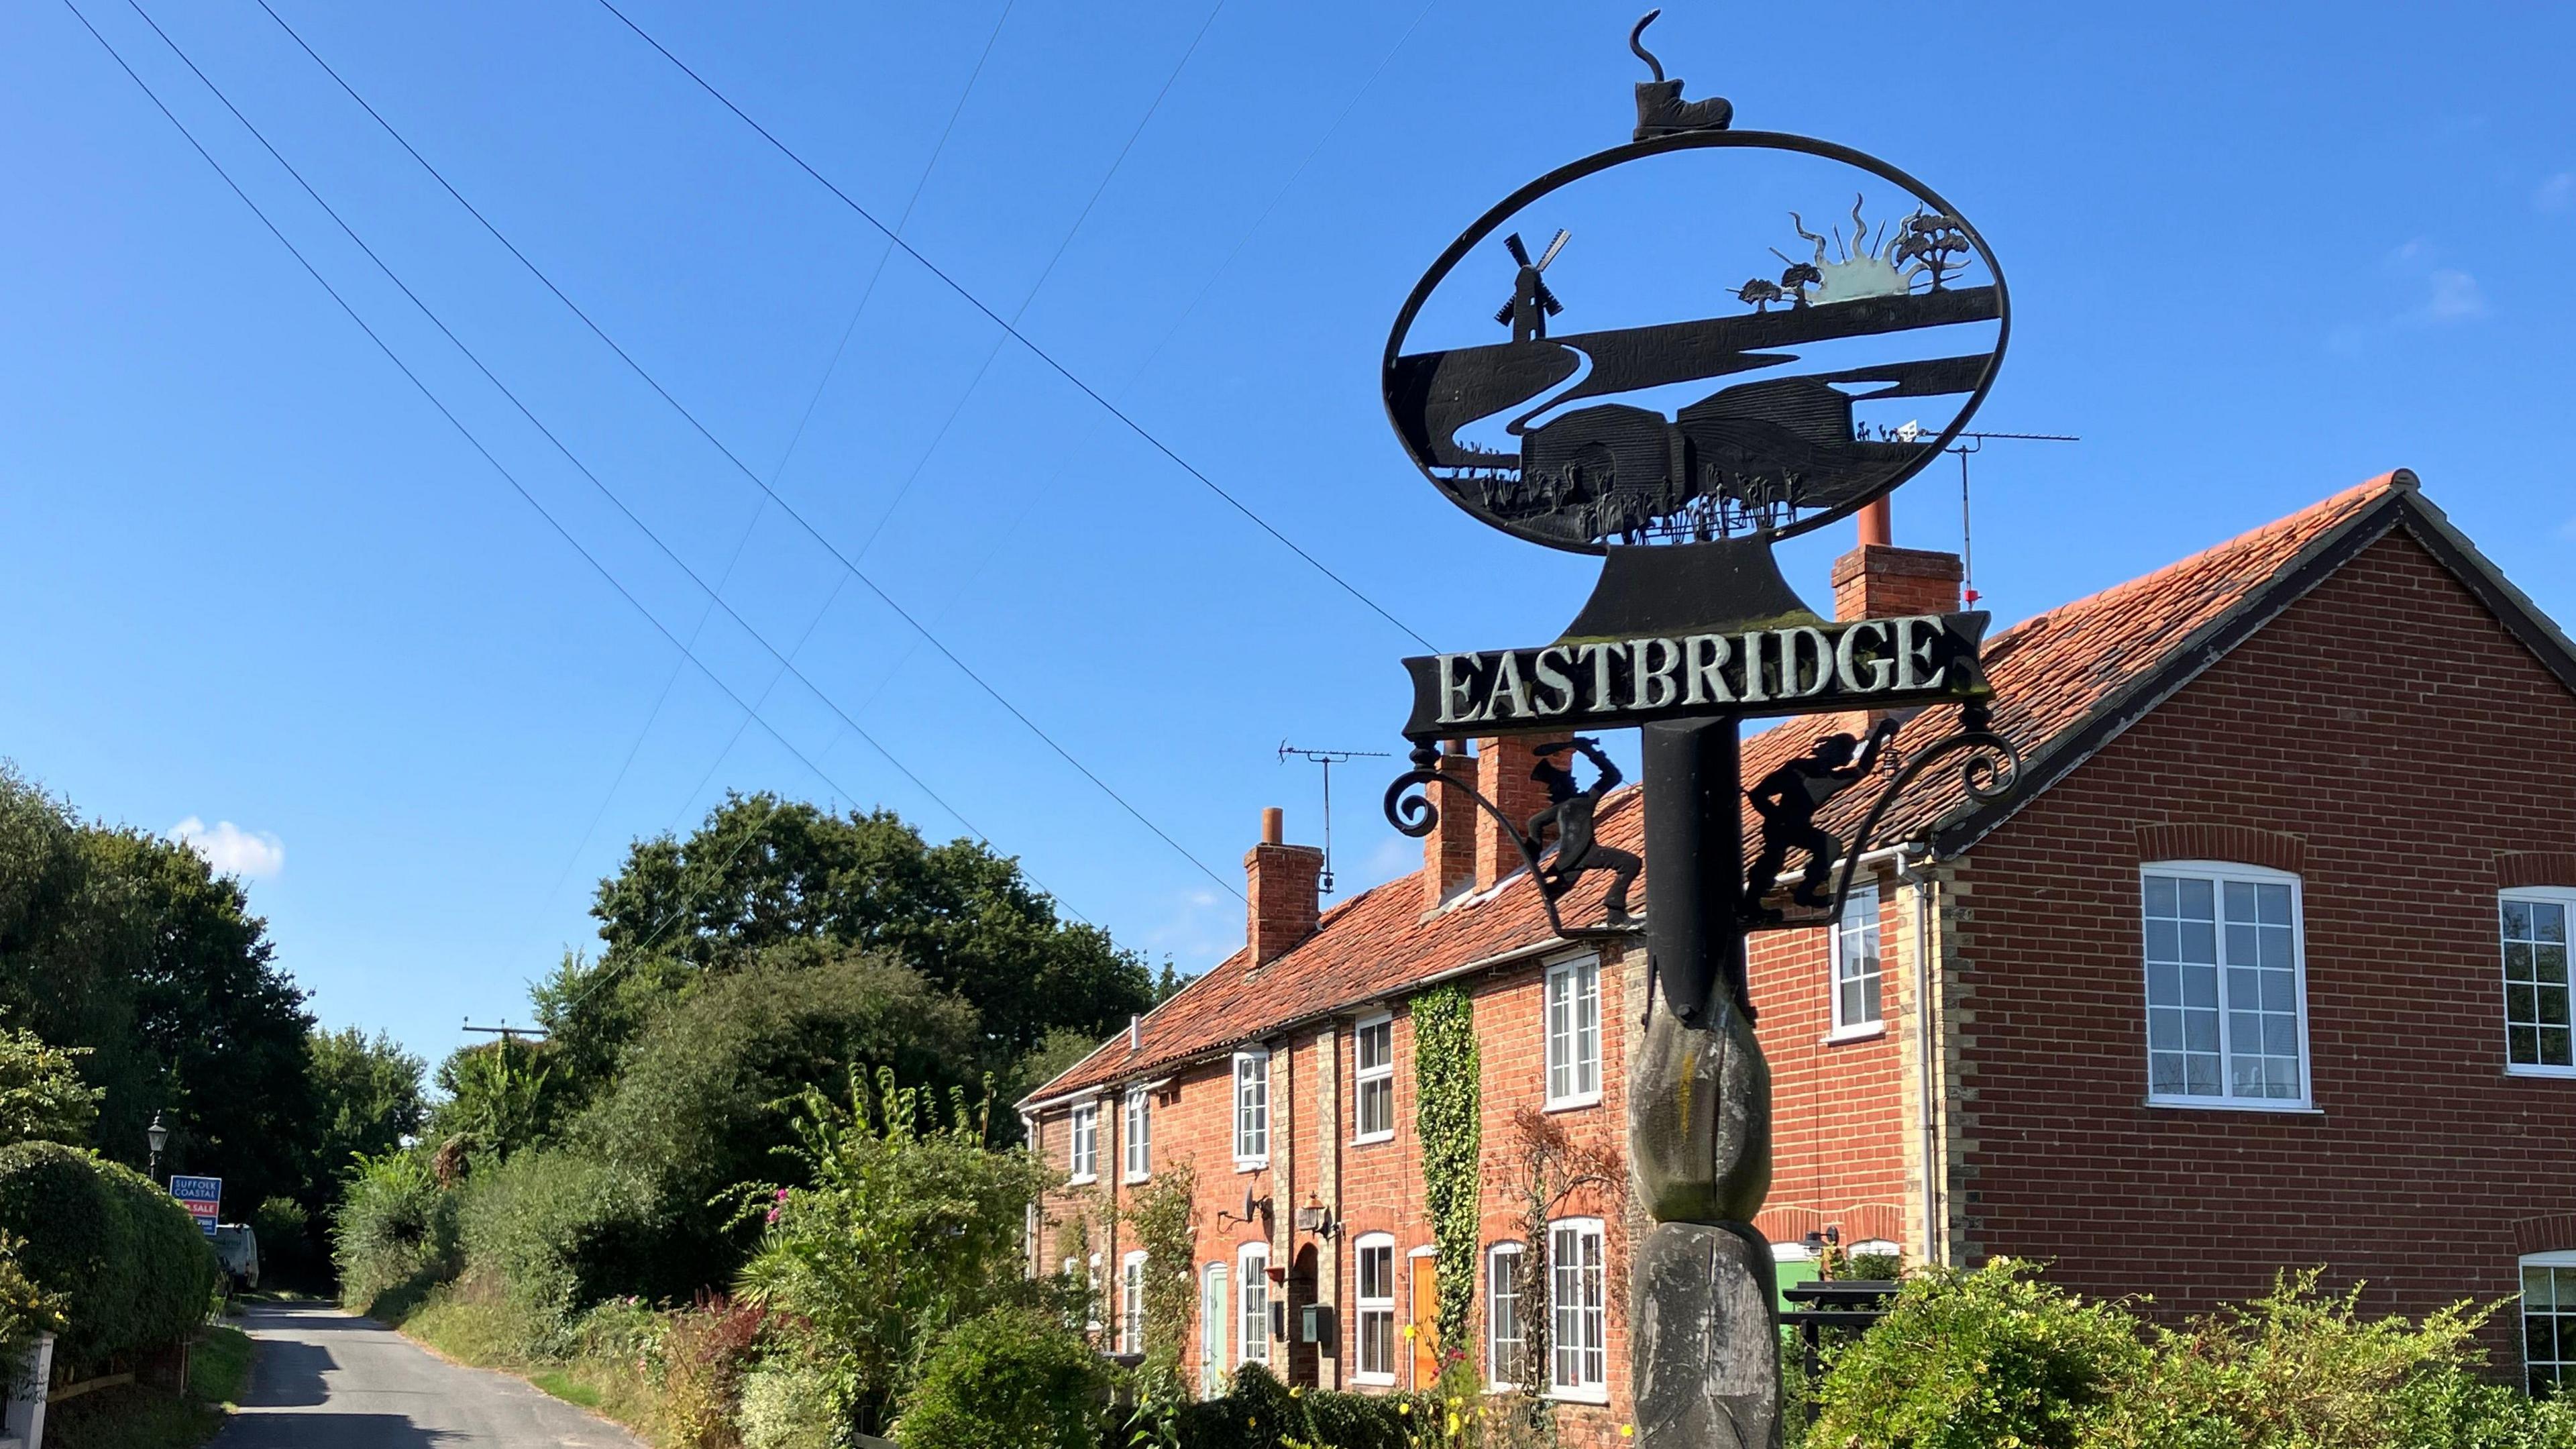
column 2082, row 665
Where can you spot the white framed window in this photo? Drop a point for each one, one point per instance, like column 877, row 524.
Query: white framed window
column 1252, row 1270
column 1574, row 1033
column 2548, row 1321
column 1131, row 1303
column 1213, row 1364
column 1859, row 1006
column 1578, row 1312
column 1085, row 1156
column 2226, row 986
column 1091, row 1304
column 1136, row 1141
column 2534, row 925
column 1252, row 1108
column 1503, row 1316
column 1373, row 1079
column 1375, row 1266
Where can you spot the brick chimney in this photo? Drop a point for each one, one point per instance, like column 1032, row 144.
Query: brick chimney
column 1449, row 851
column 1503, row 769
column 1878, row 579
column 1280, row 881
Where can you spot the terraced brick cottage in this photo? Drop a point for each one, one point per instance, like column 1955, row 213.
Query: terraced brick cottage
column 2267, row 966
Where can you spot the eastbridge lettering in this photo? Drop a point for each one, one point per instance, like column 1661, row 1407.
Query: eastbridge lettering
column 1802, row 669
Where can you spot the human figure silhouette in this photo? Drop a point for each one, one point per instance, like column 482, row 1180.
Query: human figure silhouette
column 1570, row 810
column 1787, row 800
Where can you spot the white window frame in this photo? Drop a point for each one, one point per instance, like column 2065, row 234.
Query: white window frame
column 1363, row 1077
column 1252, row 1304
column 2565, row 1314
column 1082, row 1141
column 1503, row 1263
column 1565, row 1049
column 1136, row 1135
column 1131, row 1302
column 1251, row 1119
column 1091, row 1298
column 2221, row 873
column 1860, row 918
column 1365, row 1308
column 1215, row 1308
column 2565, row 899
column 1590, row 1383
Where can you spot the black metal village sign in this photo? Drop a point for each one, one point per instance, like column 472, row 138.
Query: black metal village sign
column 1682, row 426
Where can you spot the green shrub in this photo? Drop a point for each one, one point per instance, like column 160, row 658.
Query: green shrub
column 132, row 1264
column 27, row 1308
column 1016, row 1376
column 790, row 1402
column 909, row 1227
column 393, row 1236
column 1975, row 1360
column 1258, row 1412
column 2298, row 1368
column 560, row 1230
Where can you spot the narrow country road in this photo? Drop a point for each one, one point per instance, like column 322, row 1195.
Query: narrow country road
column 328, row 1380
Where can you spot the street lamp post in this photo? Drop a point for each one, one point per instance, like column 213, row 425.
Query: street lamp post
column 156, row 1137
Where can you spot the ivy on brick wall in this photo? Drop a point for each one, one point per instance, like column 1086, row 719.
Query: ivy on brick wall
column 1448, row 1120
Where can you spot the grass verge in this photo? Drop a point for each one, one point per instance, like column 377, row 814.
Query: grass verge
column 599, row 1370
column 132, row 1416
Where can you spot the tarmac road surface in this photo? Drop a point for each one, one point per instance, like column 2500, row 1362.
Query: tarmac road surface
column 326, row 1379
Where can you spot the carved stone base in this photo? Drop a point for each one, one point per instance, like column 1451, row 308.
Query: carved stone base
column 1705, row 1353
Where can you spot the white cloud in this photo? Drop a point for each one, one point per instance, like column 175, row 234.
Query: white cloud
column 2455, row 298
column 231, row 850
column 2558, row 193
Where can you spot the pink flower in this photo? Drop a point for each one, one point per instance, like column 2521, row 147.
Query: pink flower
column 773, row 1217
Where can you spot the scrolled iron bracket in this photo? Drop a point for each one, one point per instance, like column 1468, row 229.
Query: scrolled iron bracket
column 1412, row 811
column 1990, row 771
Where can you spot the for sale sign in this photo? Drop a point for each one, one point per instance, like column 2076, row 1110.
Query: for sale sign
column 203, row 1197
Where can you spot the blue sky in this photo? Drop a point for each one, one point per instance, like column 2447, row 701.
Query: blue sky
column 254, row 582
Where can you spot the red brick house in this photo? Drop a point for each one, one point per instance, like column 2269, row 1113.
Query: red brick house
column 2265, row 966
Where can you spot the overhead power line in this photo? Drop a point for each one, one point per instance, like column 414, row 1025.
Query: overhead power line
column 776, row 475
column 846, row 562
column 1016, row 335
column 477, row 444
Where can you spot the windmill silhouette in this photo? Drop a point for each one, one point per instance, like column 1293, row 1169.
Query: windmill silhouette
column 1532, row 303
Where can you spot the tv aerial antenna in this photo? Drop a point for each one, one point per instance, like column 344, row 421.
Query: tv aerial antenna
column 505, row 1031
column 1328, row 759
column 1968, row 445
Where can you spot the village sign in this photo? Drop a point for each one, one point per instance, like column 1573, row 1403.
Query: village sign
column 1683, row 427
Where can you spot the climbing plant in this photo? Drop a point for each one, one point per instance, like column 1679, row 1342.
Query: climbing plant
column 1162, row 1214
column 1448, row 1121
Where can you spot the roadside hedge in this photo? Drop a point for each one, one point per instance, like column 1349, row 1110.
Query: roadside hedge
column 137, row 1271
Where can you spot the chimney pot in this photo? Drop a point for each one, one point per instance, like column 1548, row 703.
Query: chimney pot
column 1274, row 827
column 1878, row 521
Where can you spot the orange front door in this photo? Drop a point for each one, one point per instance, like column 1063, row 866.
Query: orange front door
column 1425, row 1319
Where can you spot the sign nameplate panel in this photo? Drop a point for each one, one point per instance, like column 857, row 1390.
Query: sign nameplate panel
column 1822, row 668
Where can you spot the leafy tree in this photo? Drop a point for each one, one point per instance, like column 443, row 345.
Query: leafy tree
column 370, row 1100
column 696, row 1109
column 42, row 1098
column 761, row 872
column 497, row 1098
column 129, row 945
